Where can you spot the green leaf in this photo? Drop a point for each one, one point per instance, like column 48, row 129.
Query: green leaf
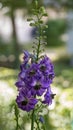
column 32, row 24
column 42, row 9
column 29, row 19
column 45, row 14
column 36, row 3
column 46, row 26
column 40, row 21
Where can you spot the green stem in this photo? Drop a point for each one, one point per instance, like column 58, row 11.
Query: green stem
column 17, row 126
column 38, row 50
column 38, row 128
column 37, row 54
column 16, row 116
column 39, row 40
column 32, row 121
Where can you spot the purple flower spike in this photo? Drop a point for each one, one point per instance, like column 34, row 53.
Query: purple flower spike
column 34, row 80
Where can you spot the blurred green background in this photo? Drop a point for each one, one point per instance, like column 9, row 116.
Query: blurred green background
column 15, row 36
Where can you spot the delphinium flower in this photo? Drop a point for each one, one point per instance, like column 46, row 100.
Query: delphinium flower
column 25, row 100
column 36, row 76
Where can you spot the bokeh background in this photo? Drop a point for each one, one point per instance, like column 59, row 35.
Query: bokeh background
column 15, row 36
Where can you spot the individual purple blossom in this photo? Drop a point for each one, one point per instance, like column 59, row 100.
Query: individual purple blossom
column 26, row 56
column 48, row 97
column 41, row 119
column 26, row 101
column 20, row 84
column 47, row 69
column 38, row 88
column 48, row 79
column 32, row 71
column 22, row 74
column 46, row 66
column 32, row 74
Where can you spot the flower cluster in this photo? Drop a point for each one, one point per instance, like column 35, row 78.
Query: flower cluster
column 34, row 81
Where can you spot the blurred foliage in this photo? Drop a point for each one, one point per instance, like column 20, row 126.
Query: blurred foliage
column 6, row 49
column 65, row 3
column 58, row 4
column 13, row 4
column 11, row 49
column 58, row 116
column 56, row 28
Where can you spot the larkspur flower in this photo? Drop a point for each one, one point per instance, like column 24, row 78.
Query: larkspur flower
column 25, row 100
column 48, row 97
column 32, row 74
column 45, row 65
column 41, row 119
column 26, row 56
column 38, row 88
column 20, row 84
column 47, row 69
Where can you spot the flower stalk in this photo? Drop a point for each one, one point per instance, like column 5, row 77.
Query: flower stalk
column 36, row 75
column 32, row 120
